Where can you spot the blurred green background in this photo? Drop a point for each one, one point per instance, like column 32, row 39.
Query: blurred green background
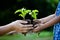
column 8, row 7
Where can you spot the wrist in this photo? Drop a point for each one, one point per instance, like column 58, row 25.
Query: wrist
column 10, row 26
column 5, row 29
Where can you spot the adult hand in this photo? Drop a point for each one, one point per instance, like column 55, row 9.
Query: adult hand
column 18, row 27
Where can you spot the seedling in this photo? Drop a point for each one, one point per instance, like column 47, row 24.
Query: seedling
column 34, row 14
column 23, row 12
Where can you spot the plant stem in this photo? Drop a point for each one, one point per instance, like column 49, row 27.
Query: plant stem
column 23, row 18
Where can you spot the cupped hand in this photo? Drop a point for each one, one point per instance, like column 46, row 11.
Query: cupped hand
column 18, row 27
column 38, row 28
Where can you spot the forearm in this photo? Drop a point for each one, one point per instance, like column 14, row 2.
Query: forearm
column 48, row 18
column 5, row 29
column 51, row 22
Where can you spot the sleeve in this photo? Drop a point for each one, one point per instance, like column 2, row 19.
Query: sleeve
column 58, row 10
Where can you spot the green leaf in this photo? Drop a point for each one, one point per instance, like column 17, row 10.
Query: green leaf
column 17, row 11
column 35, row 11
column 34, row 14
column 24, row 12
column 21, row 15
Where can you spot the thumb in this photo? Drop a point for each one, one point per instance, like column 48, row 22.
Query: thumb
column 29, row 25
column 37, row 20
column 22, row 21
column 36, row 29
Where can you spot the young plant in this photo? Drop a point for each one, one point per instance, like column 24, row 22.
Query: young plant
column 34, row 14
column 23, row 12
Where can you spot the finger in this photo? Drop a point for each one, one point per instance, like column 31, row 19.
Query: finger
column 29, row 28
column 24, row 32
column 22, row 21
column 36, row 29
column 30, row 25
column 37, row 20
column 36, row 25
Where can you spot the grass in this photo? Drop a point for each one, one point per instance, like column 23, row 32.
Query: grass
column 29, row 36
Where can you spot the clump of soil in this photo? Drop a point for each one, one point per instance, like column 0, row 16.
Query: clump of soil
column 29, row 22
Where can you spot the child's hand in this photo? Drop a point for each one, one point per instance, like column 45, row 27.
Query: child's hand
column 39, row 21
column 38, row 28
